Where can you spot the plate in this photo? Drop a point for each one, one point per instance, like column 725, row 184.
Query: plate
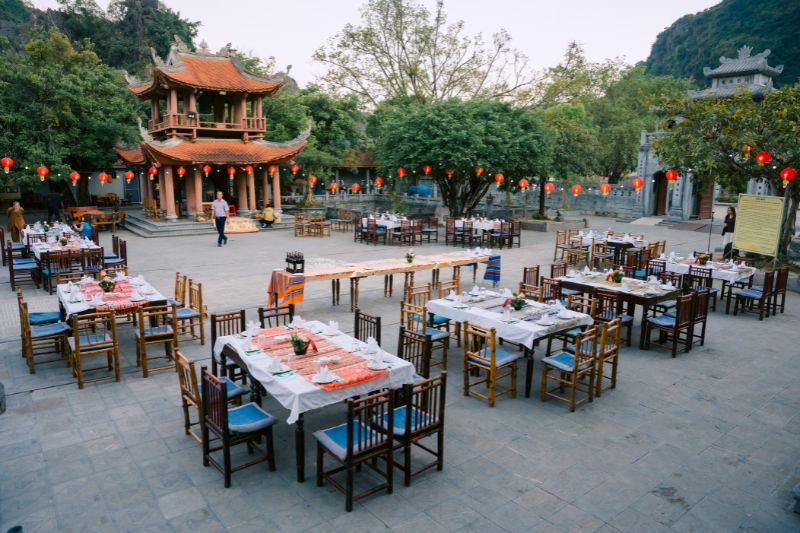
column 545, row 322
column 331, row 379
column 378, row 366
column 137, row 299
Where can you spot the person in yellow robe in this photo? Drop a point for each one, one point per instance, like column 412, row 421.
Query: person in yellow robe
column 16, row 221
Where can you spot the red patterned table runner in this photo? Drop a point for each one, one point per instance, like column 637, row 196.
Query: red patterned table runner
column 117, row 300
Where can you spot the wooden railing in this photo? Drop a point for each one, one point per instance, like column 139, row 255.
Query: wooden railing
column 258, row 124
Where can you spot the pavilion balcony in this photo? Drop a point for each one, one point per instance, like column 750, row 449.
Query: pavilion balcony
column 182, row 124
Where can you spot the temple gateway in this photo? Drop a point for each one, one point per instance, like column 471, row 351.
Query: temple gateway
column 206, row 133
column 749, row 71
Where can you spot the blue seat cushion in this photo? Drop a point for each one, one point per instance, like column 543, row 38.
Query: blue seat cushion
column 667, row 304
column 429, row 230
column 46, row 271
column 664, row 321
column 564, row 361
column 185, row 312
column 114, row 261
column 17, row 246
column 25, row 265
column 249, row 417
column 49, row 330
column 335, row 439
column 751, row 293
column 567, row 292
column 610, row 315
column 44, row 317
column 234, row 389
column 501, row 357
column 640, row 273
column 157, row 330
column 571, row 332
column 105, row 341
column 416, row 378
column 419, row 420
column 109, row 256
column 439, row 319
column 437, row 334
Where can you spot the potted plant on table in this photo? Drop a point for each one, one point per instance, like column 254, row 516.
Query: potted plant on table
column 702, row 259
column 64, row 241
column 615, row 276
column 517, row 302
column 410, row 255
column 299, row 344
column 106, row 283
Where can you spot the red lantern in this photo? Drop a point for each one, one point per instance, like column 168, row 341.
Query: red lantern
column 498, row 178
column 295, row 168
column 787, row 175
column 74, row 176
column 103, row 177
column 479, row 171
column 153, row 171
column 129, row 175
column 231, row 172
column 312, row 179
column 672, row 175
column 523, row 184
column 7, row 163
column 271, row 169
column 401, row 172
column 181, row 172
column 549, row 187
column 763, row 157
column 378, row 182
column 334, row 185
column 449, row 172
column 576, row 190
column 356, row 187
column 426, row 169
column 249, row 169
column 43, row 172
column 637, row 183
column 605, row 188
column 206, row 169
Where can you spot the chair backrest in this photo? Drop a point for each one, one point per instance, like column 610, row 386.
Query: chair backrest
column 196, row 297
column 59, row 261
column 633, row 257
column 418, row 294
column 180, row 288
column 558, row 269
column 66, row 277
column 448, row 285
column 516, row 228
column 683, row 310
column 467, row 227
column 585, row 348
column 415, row 347
column 114, row 268
column 781, row 280
column 372, row 225
column 275, row 316
column 215, row 401
column 361, row 414
column 187, row 378
column 610, row 339
column 530, row 292
column 550, row 289
column 93, row 332
column 115, row 245
column 480, row 343
column 655, row 267
column 367, row 326
column 698, row 277
column 427, row 400
column 154, row 321
column 450, row 225
column 229, row 323
column 700, row 305
column 673, row 277
column 412, row 317
column 561, row 237
column 92, row 259
column 581, row 303
column 530, row 275
column 769, row 280
column 123, row 249
column 433, row 222
column 644, row 258
column 607, row 306
column 35, row 237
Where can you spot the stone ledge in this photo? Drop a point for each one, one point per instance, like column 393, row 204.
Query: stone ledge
column 553, row 225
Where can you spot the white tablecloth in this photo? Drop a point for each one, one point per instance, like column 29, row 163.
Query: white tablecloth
column 486, row 225
column 71, row 308
column 39, row 248
column 56, row 230
column 388, row 224
column 628, row 286
column 731, row 275
column 589, row 239
column 298, row 394
column 524, row 332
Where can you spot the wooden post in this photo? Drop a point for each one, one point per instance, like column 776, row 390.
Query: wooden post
column 276, row 189
column 251, row 190
column 241, row 191
column 191, row 196
column 161, row 201
column 265, row 187
column 168, row 193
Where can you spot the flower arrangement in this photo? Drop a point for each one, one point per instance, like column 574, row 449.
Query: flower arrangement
column 702, row 259
column 64, row 241
column 518, row 301
column 615, row 276
column 106, row 283
column 410, row 255
column 299, row 343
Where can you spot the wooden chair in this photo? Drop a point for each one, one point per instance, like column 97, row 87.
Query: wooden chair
column 191, row 319
column 570, row 369
column 441, row 322
column 550, row 289
column 12, row 250
column 42, row 339
column 92, row 260
column 577, row 256
column 431, row 229
column 245, row 424
column 672, row 329
column 655, row 267
column 367, row 326
column 403, row 234
column 468, row 236
column 94, row 334
column 39, row 318
column 482, row 354
column 74, row 277
column 412, row 317
column 156, row 326
column 222, row 324
column 601, row 256
column 699, row 316
column 450, row 231
column 608, row 354
column 356, row 443
column 22, row 269
column 375, row 232
column 726, row 293
column 121, row 257
column 747, row 299
column 562, row 245
column 666, row 306
column 558, row 270
column 112, row 270
column 191, row 398
column 275, row 316
column 52, row 264
column 700, row 278
column 781, row 281
column 581, row 304
column 530, row 276
column 608, row 306
column 418, row 294
column 416, row 348
column 420, row 416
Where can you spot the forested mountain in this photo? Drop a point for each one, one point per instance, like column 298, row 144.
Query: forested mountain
column 697, row 41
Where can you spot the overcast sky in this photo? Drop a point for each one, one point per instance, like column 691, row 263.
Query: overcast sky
column 292, row 30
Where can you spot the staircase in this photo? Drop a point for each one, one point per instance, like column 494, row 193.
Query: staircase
column 136, row 222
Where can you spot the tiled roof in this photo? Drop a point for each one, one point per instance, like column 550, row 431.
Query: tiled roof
column 756, row 91
column 220, row 151
column 746, row 63
column 133, row 155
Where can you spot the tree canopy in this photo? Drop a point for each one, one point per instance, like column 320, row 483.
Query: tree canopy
column 460, row 135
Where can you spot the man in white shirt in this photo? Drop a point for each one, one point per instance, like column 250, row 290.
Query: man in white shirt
column 219, row 210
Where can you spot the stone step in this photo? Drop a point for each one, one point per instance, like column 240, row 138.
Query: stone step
column 144, row 227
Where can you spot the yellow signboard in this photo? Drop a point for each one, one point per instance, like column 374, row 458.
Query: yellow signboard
column 758, row 224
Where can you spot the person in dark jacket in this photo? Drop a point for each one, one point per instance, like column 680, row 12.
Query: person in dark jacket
column 729, row 227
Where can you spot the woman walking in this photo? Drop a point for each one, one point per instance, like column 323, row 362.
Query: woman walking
column 16, row 221
column 727, row 231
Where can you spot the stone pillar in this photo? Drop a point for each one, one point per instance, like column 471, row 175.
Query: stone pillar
column 265, row 188
column 161, row 200
column 191, row 196
column 251, row 190
column 168, row 193
column 276, row 189
column 144, row 185
column 198, row 189
column 241, row 192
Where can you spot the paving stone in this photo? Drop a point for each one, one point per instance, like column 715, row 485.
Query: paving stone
column 181, row 502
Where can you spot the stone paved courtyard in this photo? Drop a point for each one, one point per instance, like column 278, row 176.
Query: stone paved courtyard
column 709, row 441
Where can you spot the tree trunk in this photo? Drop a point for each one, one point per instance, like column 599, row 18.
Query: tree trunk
column 542, row 206
column 790, row 221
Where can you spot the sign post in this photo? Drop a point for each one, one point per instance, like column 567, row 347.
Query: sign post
column 758, row 224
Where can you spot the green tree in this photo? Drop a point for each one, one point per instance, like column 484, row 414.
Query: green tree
column 459, row 136
column 62, row 108
column 712, row 136
column 401, row 49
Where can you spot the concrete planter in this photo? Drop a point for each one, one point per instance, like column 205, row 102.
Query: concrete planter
column 552, row 225
column 290, row 209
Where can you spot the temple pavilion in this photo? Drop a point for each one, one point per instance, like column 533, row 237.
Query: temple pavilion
column 206, row 133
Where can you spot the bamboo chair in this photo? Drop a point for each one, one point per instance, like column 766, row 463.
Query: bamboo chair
column 608, row 306
column 42, row 339
column 179, row 298
column 781, row 281
column 700, row 278
column 230, row 323
column 601, row 257
column 569, row 370
column 550, row 289
column 94, row 334
column 21, row 269
column 92, row 260
column 39, row 318
column 52, row 264
column 416, row 348
column 74, row 277
column 412, row 317
column 367, row 326
column 191, row 319
column 156, row 326
column 441, row 322
column 558, row 270
column 608, row 354
column 482, row 354
column 581, row 304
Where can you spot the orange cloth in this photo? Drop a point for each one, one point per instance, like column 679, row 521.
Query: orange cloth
column 118, row 300
column 285, row 288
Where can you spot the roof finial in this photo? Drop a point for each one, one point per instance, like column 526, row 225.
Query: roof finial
column 745, row 51
column 204, row 47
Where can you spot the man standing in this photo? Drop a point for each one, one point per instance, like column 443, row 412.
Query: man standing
column 219, row 210
column 54, row 206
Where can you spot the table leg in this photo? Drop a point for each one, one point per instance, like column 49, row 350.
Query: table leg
column 645, row 312
column 354, row 293
column 528, row 371
column 391, row 285
column 300, row 448
column 457, row 273
column 338, row 291
column 434, row 274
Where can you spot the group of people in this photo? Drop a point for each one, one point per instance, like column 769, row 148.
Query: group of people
column 220, row 211
column 16, row 222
